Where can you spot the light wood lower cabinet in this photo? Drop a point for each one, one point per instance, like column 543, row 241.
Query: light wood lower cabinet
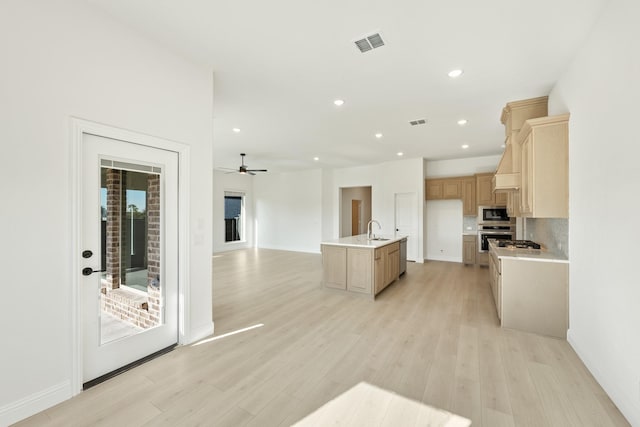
column 392, row 267
column 469, row 245
column 359, row 270
column 531, row 296
column 362, row 270
column 334, row 266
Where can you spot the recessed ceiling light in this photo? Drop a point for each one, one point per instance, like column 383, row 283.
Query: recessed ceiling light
column 462, row 122
column 503, row 145
column 465, row 146
column 378, row 135
column 400, row 153
column 338, row 102
column 316, row 158
column 236, row 130
column 455, row 73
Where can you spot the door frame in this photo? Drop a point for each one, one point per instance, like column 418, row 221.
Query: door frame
column 79, row 127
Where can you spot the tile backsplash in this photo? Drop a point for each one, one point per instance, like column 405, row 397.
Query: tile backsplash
column 469, row 224
column 550, row 232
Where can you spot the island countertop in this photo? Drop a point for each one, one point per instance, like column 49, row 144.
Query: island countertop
column 361, row 241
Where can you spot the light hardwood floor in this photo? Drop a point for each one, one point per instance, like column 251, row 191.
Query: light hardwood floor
column 432, row 337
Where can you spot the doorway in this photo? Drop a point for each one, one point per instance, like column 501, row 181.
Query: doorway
column 129, row 242
column 355, row 210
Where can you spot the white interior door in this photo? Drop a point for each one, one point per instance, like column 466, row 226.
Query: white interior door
column 130, row 253
column 406, row 214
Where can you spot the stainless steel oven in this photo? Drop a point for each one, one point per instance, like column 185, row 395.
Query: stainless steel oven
column 494, row 231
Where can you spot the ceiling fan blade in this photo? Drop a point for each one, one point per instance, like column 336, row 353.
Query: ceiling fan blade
column 257, row 170
column 232, row 171
column 227, row 169
column 250, row 173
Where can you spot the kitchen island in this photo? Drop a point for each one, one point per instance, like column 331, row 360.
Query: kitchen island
column 531, row 289
column 361, row 265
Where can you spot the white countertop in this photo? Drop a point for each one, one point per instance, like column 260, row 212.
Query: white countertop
column 544, row 254
column 361, row 241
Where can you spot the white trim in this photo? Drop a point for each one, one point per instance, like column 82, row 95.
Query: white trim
column 630, row 410
column 37, row 402
column 201, row 332
column 79, row 127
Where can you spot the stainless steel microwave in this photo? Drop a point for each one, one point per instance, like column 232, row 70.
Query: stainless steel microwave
column 493, row 214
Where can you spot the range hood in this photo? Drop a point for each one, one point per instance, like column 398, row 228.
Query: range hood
column 505, row 178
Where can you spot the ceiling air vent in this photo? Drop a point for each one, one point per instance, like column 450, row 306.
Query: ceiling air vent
column 367, row 43
column 418, row 122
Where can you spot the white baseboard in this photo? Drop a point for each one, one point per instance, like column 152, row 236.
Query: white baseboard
column 199, row 333
column 630, row 410
column 37, row 402
column 444, row 258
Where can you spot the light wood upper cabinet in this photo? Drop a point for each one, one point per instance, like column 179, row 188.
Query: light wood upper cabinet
column 515, row 113
column 469, row 206
column 434, row 189
column 484, row 191
column 544, row 150
column 443, row 189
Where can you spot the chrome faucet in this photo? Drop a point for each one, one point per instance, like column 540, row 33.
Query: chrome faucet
column 370, row 234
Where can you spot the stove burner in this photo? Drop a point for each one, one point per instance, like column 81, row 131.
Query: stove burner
column 520, row 244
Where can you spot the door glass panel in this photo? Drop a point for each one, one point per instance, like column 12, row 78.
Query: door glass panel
column 131, row 296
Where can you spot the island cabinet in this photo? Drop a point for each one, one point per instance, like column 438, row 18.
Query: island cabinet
column 359, row 270
column 365, row 270
column 334, row 266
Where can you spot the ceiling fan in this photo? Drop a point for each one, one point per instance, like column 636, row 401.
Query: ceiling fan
column 243, row 168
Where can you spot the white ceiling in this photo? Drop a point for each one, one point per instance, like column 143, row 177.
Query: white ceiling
column 279, row 65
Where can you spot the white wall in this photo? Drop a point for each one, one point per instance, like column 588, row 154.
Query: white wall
column 444, row 230
column 600, row 89
column 288, row 210
column 462, row 167
column 355, row 193
column 62, row 59
column 237, row 183
column 385, row 180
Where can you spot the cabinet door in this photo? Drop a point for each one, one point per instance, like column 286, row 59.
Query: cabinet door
column 484, row 195
column 526, row 194
column 469, row 206
column 334, row 266
column 359, row 270
column 434, row 189
column 452, row 189
column 380, row 258
column 469, row 249
column 500, row 199
column 513, row 203
column 393, row 265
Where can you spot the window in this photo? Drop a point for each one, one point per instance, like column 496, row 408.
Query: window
column 233, row 216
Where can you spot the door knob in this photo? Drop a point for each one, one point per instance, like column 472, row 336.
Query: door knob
column 88, row 271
